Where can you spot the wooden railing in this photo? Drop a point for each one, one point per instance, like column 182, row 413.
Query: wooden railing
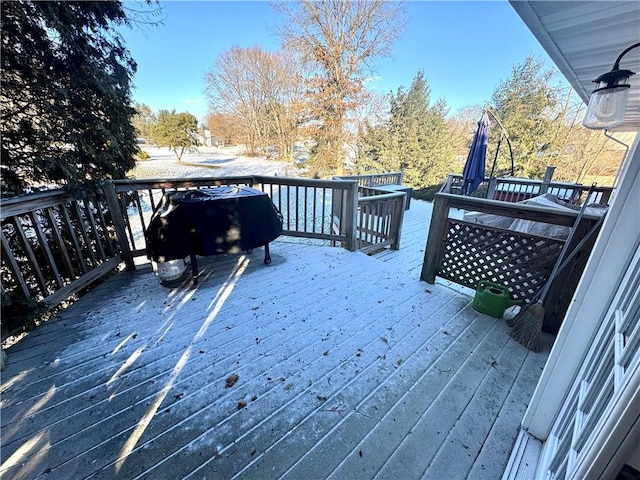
column 379, row 221
column 516, row 190
column 308, row 206
column 379, row 214
column 54, row 245
column 376, row 179
column 466, row 253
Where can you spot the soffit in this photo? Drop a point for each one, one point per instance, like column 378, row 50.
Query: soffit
column 585, row 38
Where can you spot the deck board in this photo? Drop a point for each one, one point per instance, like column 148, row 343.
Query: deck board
column 348, row 367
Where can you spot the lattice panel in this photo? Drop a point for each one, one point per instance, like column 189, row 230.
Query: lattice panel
column 519, row 261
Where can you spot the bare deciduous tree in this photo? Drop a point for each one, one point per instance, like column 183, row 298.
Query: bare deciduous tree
column 580, row 155
column 341, row 40
column 224, row 127
column 260, row 89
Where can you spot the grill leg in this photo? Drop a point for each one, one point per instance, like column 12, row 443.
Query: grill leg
column 267, row 256
column 194, row 269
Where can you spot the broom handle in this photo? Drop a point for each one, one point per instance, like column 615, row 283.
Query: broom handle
column 565, row 247
column 572, row 255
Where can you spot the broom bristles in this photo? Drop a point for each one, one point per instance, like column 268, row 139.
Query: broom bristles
column 528, row 327
column 516, row 318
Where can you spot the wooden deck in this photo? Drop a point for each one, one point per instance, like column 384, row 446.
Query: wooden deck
column 324, row 364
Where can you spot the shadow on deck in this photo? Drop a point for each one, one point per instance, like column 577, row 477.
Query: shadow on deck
column 347, row 367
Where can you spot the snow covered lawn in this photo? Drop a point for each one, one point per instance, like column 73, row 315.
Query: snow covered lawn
column 228, row 161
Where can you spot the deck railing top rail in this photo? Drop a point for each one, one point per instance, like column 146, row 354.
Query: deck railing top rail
column 375, row 179
column 518, row 189
column 26, row 203
column 194, row 182
column 535, row 213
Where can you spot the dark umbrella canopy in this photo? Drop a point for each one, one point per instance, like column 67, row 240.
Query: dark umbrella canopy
column 473, row 173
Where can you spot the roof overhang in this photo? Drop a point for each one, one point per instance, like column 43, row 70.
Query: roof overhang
column 584, row 39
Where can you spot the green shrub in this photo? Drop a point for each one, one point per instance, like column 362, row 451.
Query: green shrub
column 141, row 155
column 427, row 193
column 20, row 314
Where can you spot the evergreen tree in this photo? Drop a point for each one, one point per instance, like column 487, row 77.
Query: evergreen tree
column 178, row 131
column 372, row 150
column 65, row 99
column 144, row 121
column 527, row 104
column 415, row 139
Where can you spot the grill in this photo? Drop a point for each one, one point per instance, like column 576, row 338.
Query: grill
column 211, row 221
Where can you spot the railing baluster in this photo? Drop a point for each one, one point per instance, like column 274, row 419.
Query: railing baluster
column 74, row 239
column 289, row 207
column 127, row 221
column 83, row 232
column 297, row 207
column 151, row 200
column 44, row 247
column 306, row 209
column 57, row 236
column 140, row 213
column 324, row 205
column 104, row 226
column 94, row 230
column 31, row 258
column 13, row 266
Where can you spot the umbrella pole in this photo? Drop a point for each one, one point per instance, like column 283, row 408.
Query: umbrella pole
column 495, row 159
column 503, row 132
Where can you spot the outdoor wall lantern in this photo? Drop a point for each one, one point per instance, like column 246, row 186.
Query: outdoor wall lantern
column 608, row 101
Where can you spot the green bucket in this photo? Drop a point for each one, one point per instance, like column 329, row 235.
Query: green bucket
column 492, row 299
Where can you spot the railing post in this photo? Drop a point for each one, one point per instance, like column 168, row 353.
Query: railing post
column 398, row 216
column 491, row 188
column 118, row 223
column 351, row 214
column 548, row 175
column 606, row 195
column 435, row 240
column 446, row 188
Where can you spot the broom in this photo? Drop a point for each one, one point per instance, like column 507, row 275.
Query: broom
column 527, row 323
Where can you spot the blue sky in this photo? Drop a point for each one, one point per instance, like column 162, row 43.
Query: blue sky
column 464, row 48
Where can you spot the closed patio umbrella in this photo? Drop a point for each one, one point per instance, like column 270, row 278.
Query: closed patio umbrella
column 473, row 173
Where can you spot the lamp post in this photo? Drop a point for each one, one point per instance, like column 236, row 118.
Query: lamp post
column 608, row 101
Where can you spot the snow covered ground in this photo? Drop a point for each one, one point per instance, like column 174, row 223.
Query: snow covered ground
column 226, row 161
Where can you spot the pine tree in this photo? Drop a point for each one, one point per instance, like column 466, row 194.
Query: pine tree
column 65, row 98
column 415, row 139
column 526, row 105
column 178, row 131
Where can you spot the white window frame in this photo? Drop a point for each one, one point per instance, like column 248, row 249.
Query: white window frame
column 607, row 372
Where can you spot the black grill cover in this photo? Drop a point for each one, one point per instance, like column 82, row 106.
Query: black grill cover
column 211, row 221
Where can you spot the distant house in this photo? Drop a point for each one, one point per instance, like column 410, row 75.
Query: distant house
column 205, row 138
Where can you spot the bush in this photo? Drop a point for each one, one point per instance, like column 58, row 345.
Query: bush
column 427, row 193
column 20, row 314
column 141, row 155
